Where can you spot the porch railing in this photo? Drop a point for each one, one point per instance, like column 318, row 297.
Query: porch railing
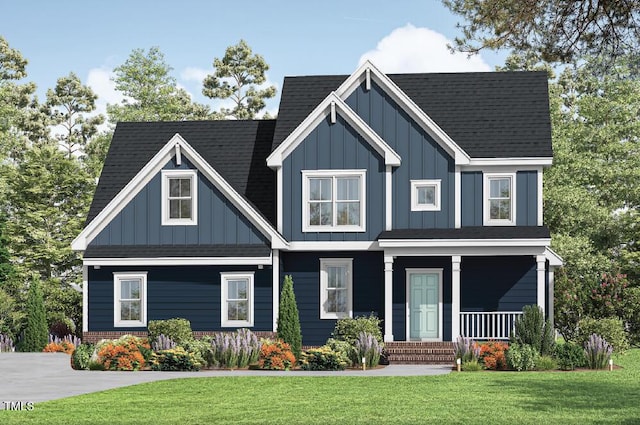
column 488, row 324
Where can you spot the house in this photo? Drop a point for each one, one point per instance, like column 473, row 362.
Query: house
column 414, row 196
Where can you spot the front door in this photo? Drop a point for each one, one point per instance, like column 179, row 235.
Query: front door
column 424, row 304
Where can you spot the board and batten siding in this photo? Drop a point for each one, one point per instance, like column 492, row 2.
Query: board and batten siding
column 219, row 221
column 191, row 292
column 304, row 268
column 333, row 147
column 497, row 283
column 422, row 158
column 526, row 198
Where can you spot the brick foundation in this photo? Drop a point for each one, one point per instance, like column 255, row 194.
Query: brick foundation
column 96, row 336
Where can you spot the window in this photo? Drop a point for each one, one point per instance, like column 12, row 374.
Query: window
column 335, row 288
column 333, row 201
column 237, row 299
column 130, row 299
column 499, row 195
column 179, row 197
column 425, row 195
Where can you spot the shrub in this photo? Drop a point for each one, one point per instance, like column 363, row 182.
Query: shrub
column 610, row 328
column 62, row 327
column 81, row 356
column 521, row 357
column 546, row 363
column 163, row 342
column 288, row 318
column 62, row 347
column 235, row 349
column 342, row 347
column 36, row 332
column 597, row 352
column 175, row 359
column 202, row 349
column 492, row 355
column 466, row 349
column 94, row 365
column 276, row 355
column 323, row 358
column 471, row 366
column 349, row 329
column 531, row 329
column 179, row 330
column 367, row 347
column 569, row 356
column 6, row 344
column 125, row 353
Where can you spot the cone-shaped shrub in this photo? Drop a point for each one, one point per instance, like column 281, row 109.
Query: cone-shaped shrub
column 36, row 333
column 531, row 329
column 289, row 320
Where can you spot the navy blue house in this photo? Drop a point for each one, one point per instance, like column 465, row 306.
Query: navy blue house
column 417, row 197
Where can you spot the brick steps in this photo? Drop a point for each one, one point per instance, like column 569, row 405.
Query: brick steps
column 420, row 352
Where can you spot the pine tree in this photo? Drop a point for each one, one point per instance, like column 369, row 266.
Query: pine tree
column 289, row 320
column 36, row 333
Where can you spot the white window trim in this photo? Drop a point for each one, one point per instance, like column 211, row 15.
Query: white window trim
column 485, row 200
column 224, row 322
column 415, row 184
column 324, row 263
column 307, row 174
column 172, row 174
column 117, row 278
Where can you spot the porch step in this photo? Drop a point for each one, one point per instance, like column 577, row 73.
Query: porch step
column 420, row 352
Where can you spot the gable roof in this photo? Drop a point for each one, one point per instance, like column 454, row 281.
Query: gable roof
column 487, row 114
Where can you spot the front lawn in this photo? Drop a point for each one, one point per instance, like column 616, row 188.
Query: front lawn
column 468, row 397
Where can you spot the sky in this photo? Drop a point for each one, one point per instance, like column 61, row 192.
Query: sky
column 300, row 37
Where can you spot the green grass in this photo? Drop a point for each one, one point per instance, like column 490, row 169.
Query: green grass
column 491, row 397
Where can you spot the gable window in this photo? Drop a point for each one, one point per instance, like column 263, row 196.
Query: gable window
column 425, row 195
column 237, row 299
column 335, row 288
column 130, row 299
column 333, row 200
column 179, row 197
column 499, row 199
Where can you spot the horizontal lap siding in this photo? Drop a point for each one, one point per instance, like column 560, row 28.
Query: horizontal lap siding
column 497, row 283
column 368, row 287
column 219, row 221
column 189, row 292
column 422, row 158
column 333, row 147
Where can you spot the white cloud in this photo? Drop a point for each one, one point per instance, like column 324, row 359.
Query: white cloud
column 410, row 49
column 99, row 79
column 195, row 74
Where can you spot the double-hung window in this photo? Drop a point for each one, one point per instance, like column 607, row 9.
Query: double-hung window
column 425, row 195
column 336, row 288
column 237, row 299
column 179, row 197
column 130, row 299
column 499, row 199
column 333, row 200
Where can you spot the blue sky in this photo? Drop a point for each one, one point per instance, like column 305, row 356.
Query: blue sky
column 90, row 38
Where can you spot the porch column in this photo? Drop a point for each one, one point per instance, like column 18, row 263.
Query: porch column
column 542, row 262
column 388, row 298
column 455, row 296
column 275, row 289
column 551, row 296
column 85, row 298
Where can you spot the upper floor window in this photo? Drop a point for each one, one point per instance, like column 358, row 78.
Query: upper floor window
column 336, row 288
column 130, row 299
column 333, row 200
column 425, row 195
column 179, row 197
column 499, row 199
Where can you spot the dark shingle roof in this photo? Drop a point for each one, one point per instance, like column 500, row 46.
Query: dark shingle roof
column 473, row 232
column 236, row 149
column 488, row 114
column 155, row 251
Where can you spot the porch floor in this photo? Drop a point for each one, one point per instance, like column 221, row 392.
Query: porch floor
column 409, row 352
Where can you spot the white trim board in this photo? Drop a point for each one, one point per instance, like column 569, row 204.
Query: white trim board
column 153, row 167
column 179, row 261
column 462, row 243
column 334, row 246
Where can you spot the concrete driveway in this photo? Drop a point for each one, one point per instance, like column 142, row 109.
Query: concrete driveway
column 36, row 377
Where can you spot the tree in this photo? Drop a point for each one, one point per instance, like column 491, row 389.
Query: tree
column 151, row 93
column 557, row 30
column 237, row 77
column 68, row 105
column 289, row 319
column 36, row 332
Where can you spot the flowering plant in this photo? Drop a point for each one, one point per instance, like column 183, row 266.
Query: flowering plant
column 276, row 355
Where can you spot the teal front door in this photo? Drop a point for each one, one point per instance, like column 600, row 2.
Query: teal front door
column 424, row 305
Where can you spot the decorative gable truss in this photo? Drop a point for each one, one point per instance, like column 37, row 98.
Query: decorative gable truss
column 177, row 146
